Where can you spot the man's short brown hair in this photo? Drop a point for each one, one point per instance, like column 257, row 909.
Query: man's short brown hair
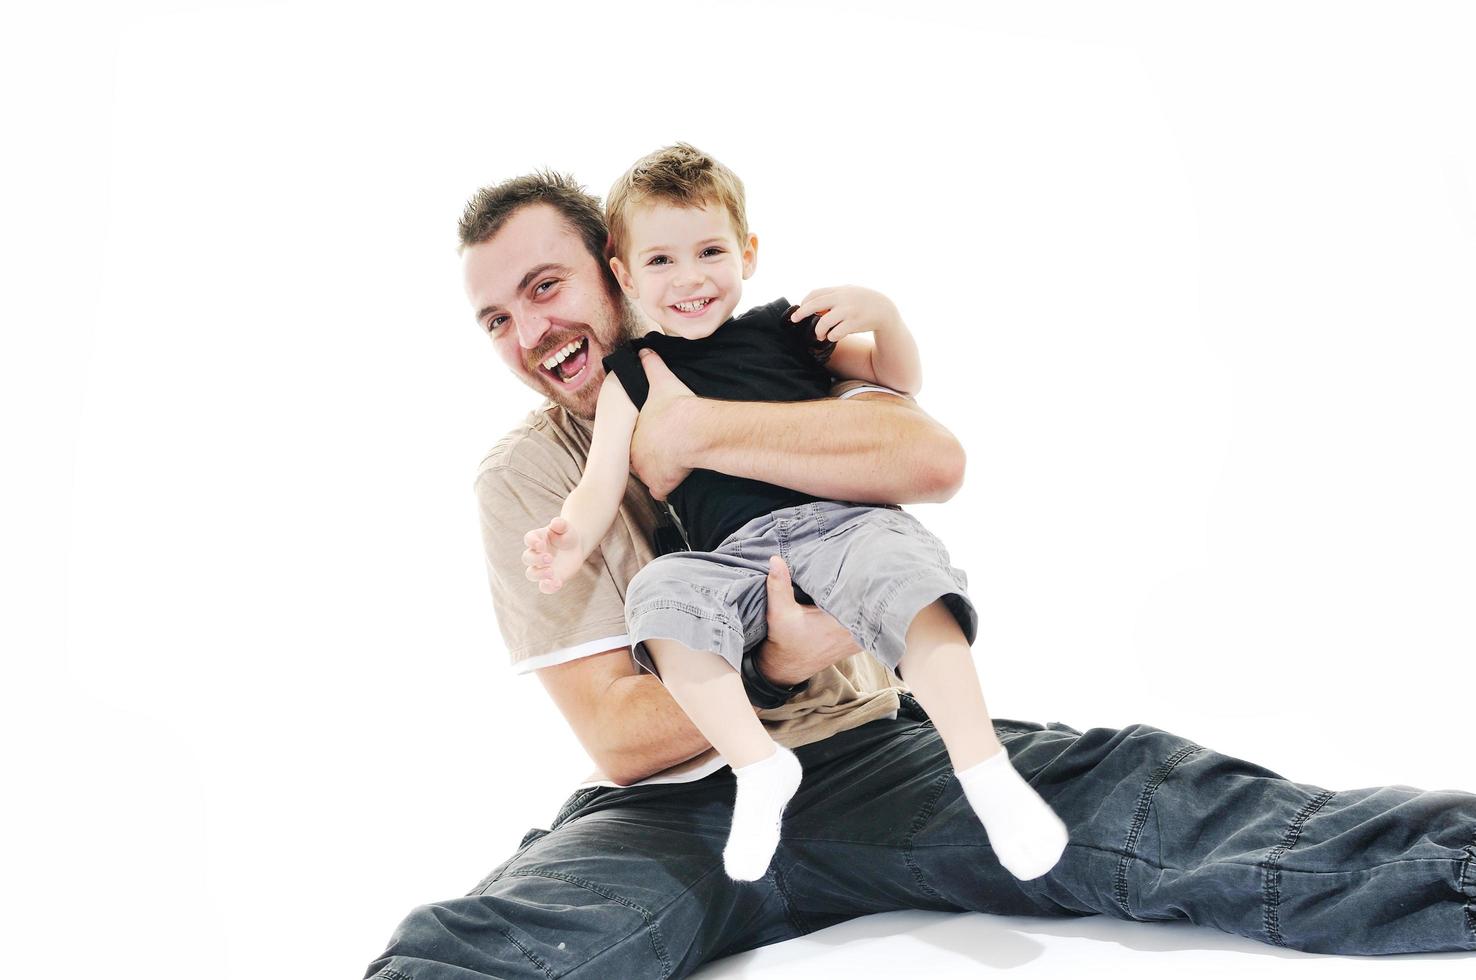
column 681, row 175
column 491, row 207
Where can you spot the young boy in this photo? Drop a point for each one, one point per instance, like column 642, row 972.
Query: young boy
column 680, row 248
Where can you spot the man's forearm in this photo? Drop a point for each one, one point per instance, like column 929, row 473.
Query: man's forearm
column 644, row 730
column 868, row 448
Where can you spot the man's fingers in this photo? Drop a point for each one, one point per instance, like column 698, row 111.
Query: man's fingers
column 781, row 590
column 659, row 375
column 654, row 366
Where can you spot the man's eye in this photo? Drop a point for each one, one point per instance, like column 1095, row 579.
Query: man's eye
column 495, row 322
column 544, row 286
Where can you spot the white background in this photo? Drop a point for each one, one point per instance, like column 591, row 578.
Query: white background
column 1193, row 285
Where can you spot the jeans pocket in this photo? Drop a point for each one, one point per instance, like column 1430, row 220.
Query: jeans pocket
column 908, row 707
column 576, row 802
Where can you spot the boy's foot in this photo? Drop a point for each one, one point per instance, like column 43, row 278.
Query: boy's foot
column 1024, row 831
column 763, row 790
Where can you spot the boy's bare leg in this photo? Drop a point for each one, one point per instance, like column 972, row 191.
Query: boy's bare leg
column 1024, row 831
column 767, row 774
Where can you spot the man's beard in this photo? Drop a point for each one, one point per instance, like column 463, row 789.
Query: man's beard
column 630, row 321
column 582, row 403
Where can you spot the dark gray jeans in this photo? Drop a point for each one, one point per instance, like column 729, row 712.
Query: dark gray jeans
column 629, row 882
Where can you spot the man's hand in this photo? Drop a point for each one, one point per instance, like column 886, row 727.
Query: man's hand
column 552, row 555
column 803, row 640
column 658, row 447
column 848, row 310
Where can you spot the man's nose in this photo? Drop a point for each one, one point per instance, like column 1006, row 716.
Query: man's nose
column 531, row 330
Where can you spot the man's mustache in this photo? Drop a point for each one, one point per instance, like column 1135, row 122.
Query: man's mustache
column 559, row 343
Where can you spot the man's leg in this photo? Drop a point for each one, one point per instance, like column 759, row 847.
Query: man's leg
column 767, row 774
column 690, row 616
column 1026, row 835
column 1161, row 829
column 628, row 883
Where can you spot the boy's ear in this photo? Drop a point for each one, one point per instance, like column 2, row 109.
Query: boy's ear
column 622, row 276
column 750, row 255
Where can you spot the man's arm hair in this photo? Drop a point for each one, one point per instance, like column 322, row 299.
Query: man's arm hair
column 874, row 447
column 627, row 721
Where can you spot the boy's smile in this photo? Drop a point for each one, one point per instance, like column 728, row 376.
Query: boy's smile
column 686, row 266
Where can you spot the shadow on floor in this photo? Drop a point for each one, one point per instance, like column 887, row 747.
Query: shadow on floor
column 1006, row 942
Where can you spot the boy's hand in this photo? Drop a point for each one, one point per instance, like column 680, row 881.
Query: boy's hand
column 553, row 555
column 848, row 310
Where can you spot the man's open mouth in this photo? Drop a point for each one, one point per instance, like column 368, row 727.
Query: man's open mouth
column 567, row 363
column 692, row 307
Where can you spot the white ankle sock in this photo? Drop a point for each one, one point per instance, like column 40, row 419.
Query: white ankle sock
column 763, row 790
column 1024, row 831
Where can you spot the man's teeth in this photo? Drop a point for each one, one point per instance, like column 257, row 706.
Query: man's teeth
column 557, row 357
column 693, row 306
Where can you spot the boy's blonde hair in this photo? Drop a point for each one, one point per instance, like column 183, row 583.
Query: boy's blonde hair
column 680, row 175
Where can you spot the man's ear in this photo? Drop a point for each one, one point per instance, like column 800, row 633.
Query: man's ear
column 622, row 276
column 750, row 255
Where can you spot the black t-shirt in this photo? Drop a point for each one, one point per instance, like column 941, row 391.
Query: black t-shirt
column 757, row 357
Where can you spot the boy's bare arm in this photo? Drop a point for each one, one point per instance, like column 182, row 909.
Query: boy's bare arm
column 556, row 551
column 871, row 341
column 871, row 448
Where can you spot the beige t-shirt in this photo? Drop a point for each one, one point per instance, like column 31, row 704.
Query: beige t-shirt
column 521, row 485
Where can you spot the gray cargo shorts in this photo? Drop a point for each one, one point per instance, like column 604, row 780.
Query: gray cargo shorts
column 872, row 568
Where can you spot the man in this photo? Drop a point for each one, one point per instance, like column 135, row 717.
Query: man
column 628, row 881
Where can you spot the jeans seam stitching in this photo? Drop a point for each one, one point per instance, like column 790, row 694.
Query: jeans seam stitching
column 923, row 816
column 796, row 921
column 532, row 958
column 653, row 930
column 1468, row 885
column 1118, row 852
column 1271, row 868
column 1140, row 817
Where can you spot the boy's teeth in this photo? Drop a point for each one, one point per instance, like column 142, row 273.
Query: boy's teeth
column 693, row 306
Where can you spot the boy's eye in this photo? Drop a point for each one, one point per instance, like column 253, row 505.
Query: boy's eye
column 711, row 250
column 658, row 260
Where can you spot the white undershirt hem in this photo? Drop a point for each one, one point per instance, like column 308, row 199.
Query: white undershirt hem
column 565, row 654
